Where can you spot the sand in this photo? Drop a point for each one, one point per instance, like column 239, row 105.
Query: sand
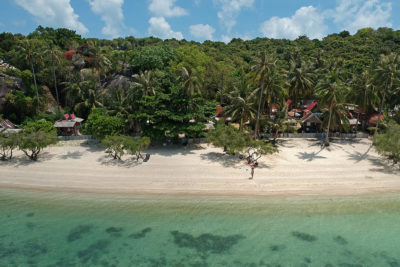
column 301, row 168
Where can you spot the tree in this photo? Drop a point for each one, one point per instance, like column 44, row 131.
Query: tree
column 190, row 81
column 301, row 80
column 115, row 145
column 332, row 92
column 388, row 143
column 100, row 126
column 143, row 80
column 387, row 78
column 263, row 67
column 242, row 100
column 32, row 143
column 7, row 144
column 29, row 48
column 136, row 145
column 40, row 125
column 55, row 58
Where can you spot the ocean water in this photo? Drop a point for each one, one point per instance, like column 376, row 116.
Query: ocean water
column 66, row 229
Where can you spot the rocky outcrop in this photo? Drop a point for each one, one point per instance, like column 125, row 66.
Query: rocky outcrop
column 118, row 81
column 47, row 99
column 8, row 84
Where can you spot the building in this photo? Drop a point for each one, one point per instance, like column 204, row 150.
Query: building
column 311, row 122
column 69, row 125
column 7, row 126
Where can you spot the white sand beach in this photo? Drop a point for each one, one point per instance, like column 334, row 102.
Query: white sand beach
column 300, row 168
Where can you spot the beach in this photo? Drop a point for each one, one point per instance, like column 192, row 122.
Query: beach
column 345, row 168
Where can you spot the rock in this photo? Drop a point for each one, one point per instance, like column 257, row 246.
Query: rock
column 8, row 84
column 47, row 98
column 88, row 74
column 118, row 81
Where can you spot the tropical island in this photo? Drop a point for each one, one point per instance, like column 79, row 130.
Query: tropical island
column 127, row 95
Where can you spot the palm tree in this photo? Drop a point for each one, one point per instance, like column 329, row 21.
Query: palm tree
column 386, row 78
column 301, row 80
column 263, row 67
column 332, row 91
column 143, row 80
column 190, row 81
column 55, row 58
column 28, row 47
column 101, row 64
column 242, row 100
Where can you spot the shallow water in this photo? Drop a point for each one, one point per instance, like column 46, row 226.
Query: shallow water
column 63, row 229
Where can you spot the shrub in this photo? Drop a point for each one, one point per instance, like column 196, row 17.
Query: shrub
column 7, row 144
column 33, row 142
column 100, row 126
column 388, row 143
column 40, row 125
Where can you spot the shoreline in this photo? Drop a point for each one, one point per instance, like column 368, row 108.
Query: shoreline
column 301, row 169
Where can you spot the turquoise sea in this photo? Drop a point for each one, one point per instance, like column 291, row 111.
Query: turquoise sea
column 69, row 229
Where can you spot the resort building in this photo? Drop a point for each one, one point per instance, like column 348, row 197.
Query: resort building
column 69, row 125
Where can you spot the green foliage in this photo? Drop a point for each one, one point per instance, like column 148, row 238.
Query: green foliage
column 17, row 106
column 115, row 145
column 100, row 125
column 154, row 57
column 388, row 143
column 118, row 145
column 33, row 142
column 8, row 142
column 40, row 125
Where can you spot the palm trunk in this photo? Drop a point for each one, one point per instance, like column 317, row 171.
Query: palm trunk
column 101, row 91
column 55, row 82
column 329, row 125
column 222, row 92
column 256, row 132
column 34, row 80
column 241, row 121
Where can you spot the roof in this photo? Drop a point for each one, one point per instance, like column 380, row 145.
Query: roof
column 311, row 117
column 64, row 124
column 6, row 124
column 72, row 117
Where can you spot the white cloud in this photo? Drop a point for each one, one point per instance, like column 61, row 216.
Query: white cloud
column 228, row 38
column 230, row 9
column 111, row 13
column 352, row 15
column 159, row 27
column 306, row 21
column 53, row 13
column 202, row 31
column 166, row 8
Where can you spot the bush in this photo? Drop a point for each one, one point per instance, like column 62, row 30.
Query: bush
column 117, row 145
column 100, row 126
column 33, row 142
column 388, row 143
column 40, row 125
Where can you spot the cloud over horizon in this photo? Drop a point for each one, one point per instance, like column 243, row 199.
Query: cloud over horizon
column 159, row 27
column 111, row 14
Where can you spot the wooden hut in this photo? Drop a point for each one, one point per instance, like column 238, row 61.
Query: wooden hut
column 69, row 125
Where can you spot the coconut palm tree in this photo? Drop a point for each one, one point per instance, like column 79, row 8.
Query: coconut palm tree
column 263, row 67
column 301, row 80
column 190, row 81
column 143, row 80
column 29, row 48
column 55, row 59
column 242, row 100
column 332, row 92
column 386, row 78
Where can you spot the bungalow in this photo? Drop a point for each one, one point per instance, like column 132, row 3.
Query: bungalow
column 7, row 126
column 311, row 122
column 69, row 125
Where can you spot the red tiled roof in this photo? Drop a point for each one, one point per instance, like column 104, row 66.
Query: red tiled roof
column 6, row 124
column 68, row 55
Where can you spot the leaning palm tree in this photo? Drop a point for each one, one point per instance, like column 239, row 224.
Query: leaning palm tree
column 143, row 80
column 387, row 78
column 263, row 67
column 242, row 100
column 301, row 80
column 29, row 48
column 332, row 92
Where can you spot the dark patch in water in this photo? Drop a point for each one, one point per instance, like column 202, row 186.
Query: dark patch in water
column 340, row 240
column 392, row 262
column 115, row 231
column 63, row 262
column 276, row 248
column 93, row 252
column 30, row 214
column 206, row 242
column 7, row 251
column 304, row 236
column 329, row 265
column 308, row 260
column 30, row 225
column 350, row 265
column 32, row 249
column 140, row 234
column 77, row 232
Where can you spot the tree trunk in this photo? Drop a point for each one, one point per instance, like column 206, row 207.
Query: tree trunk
column 101, row 91
column 34, row 80
column 329, row 125
column 55, row 82
column 221, row 100
column 256, row 132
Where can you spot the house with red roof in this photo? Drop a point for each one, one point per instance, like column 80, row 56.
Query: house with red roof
column 68, row 125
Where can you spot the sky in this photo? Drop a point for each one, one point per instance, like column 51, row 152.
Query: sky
column 200, row 20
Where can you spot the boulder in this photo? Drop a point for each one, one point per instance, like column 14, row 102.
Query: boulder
column 118, row 81
column 8, row 84
column 47, row 99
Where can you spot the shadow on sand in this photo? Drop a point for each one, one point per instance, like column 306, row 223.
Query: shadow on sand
column 126, row 163
column 71, row 155
column 23, row 160
column 171, row 150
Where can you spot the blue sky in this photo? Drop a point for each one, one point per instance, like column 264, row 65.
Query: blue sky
column 200, row 20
